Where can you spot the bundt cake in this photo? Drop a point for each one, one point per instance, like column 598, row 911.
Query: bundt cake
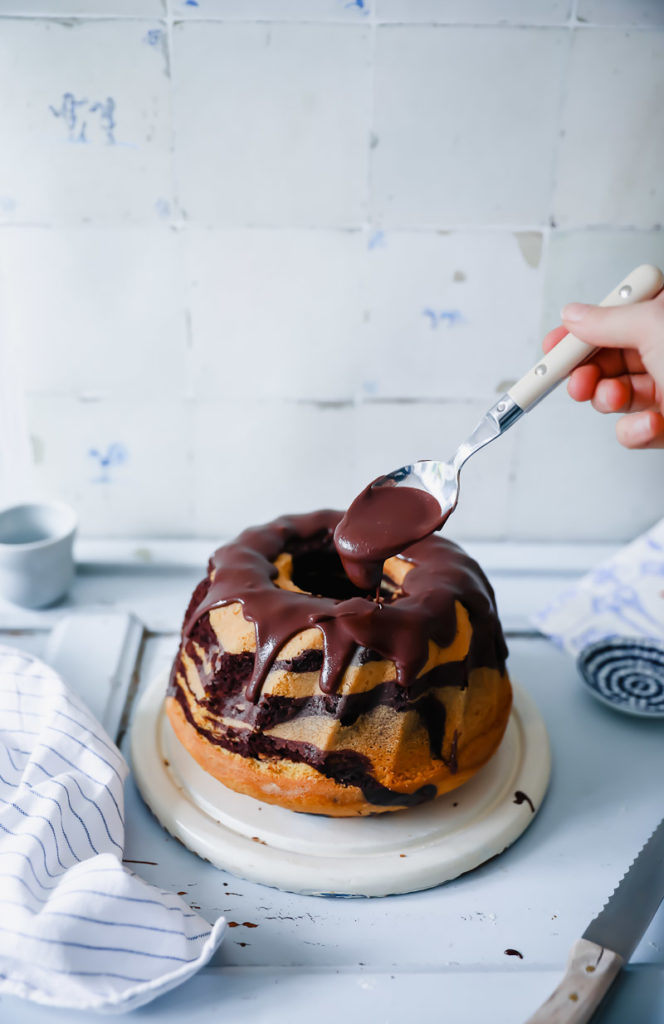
column 298, row 688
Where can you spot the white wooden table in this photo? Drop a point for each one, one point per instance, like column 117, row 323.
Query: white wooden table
column 439, row 954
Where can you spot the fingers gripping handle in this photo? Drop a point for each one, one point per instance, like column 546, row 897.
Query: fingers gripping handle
column 643, row 283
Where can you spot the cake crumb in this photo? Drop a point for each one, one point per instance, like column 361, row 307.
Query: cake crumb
column 255, row 839
column 514, row 952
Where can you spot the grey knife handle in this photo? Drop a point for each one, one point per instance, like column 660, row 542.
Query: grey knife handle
column 590, row 973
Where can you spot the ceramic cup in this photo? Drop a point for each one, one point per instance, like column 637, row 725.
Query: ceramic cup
column 36, row 560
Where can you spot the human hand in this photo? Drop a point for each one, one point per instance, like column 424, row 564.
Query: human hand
column 627, row 374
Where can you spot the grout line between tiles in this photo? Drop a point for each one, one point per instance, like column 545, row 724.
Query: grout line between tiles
column 91, row 16
column 559, row 130
column 359, row 229
column 371, row 141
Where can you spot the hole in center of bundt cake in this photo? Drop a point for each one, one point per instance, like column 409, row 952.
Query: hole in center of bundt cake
column 320, row 572
column 317, row 569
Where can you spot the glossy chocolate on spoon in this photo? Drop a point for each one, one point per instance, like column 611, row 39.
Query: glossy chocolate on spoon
column 382, row 521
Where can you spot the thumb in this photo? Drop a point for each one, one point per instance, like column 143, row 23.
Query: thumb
column 635, row 326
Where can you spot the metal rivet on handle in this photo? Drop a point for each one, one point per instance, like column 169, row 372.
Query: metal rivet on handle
column 501, row 407
column 540, row 370
column 625, row 291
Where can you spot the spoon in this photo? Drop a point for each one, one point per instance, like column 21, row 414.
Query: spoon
column 380, row 523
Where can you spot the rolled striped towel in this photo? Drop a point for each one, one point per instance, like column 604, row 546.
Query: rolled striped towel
column 77, row 929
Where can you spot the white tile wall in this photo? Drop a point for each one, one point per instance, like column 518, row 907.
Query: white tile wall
column 259, row 459
column 299, row 293
column 443, row 316
column 612, row 150
column 621, row 12
column 15, row 459
column 309, row 240
column 84, row 124
column 124, row 464
column 272, row 123
column 272, row 10
column 571, row 479
column 98, row 309
column 476, row 12
column 68, row 8
column 461, row 136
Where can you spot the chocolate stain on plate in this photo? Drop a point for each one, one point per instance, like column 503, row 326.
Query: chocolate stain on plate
column 520, row 798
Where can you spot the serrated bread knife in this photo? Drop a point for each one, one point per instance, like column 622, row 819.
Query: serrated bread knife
column 609, row 940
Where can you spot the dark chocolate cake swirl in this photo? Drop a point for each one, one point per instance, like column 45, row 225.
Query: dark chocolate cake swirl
column 293, row 685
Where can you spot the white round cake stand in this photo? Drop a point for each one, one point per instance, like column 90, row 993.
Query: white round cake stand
column 378, row 855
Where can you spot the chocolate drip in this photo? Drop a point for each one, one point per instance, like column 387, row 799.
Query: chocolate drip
column 398, row 631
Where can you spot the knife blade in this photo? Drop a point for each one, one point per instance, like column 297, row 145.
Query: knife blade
column 633, row 903
column 609, row 940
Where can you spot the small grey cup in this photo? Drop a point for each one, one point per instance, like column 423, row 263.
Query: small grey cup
column 36, row 558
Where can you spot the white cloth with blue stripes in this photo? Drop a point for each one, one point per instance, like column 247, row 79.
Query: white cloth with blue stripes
column 77, row 929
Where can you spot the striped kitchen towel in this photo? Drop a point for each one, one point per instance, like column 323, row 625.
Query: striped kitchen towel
column 77, row 929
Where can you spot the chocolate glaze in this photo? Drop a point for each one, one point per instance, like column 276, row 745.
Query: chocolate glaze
column 398, row 631
column 381, row 522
